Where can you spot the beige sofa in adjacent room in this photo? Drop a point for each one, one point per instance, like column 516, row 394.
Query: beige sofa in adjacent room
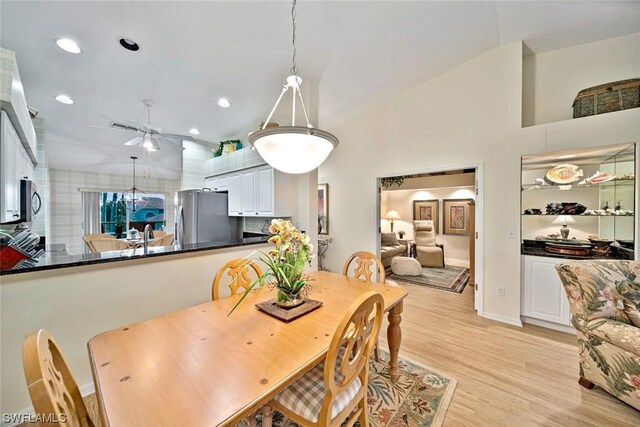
column 390, row 247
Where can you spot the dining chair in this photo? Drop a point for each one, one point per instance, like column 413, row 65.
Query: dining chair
column 364, row 264
column 53, row 390
column 239, row 272
column 88, row 238
column 364, row 267
column 335, row 391
column 166, row 240
column 106, row 245
column 159, row 233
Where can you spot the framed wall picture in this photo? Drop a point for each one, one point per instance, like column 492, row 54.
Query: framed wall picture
column 427, row 210
column 323, row 208
column 456, row 216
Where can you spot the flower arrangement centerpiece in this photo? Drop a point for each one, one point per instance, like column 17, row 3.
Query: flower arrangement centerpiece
column 285, row 264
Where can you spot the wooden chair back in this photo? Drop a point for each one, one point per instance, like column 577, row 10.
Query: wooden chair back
column 240, row 271
column 348, row 357
column 166, row 240
column 106, row 245
column 88, row 238
column 54, row 392
column 366, row 266
column 159, row 233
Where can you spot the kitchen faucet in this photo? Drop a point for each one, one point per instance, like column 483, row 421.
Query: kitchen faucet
column 147, row 234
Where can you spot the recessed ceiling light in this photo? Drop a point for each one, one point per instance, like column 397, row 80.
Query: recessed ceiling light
column 567, row 156
column 224, row 103
column 194, row 131
column 68, row 45
column 129, row 44
column 64, row 99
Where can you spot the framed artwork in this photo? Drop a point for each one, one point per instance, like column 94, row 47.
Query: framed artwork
column 323, row 208
column 427, row 209
column 456, row 216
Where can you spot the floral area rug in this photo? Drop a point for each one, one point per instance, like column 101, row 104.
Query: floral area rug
column 449, row 278
column 421, row 397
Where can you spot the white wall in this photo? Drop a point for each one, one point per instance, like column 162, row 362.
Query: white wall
column 42, row 221
column 455, row 247
column 66, row 204
column 553, row 79
column 194, row 157
column 468, row 115
column 77, row 303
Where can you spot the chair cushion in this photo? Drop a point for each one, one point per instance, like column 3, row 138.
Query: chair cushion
column 595, row 287
column 617, row 333
column 391, row 251
column 388, row 239
column 305, row 396
column 631, row 302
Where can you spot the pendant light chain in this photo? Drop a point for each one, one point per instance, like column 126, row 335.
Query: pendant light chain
column 294, row 67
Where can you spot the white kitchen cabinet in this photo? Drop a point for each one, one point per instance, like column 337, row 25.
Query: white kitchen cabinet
column 16, row 165
column 248, row 184
column 543, row 295
column 265, row 191
column 259, row 191
column 217, row 183
column 235, row 194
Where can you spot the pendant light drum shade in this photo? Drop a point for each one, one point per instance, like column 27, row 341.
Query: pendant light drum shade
column 293, row 149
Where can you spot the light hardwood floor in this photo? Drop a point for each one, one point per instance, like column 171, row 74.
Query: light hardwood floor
column 507, row 376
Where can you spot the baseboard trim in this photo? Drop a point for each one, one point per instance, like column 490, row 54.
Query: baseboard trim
column 85, row 390
column 503, row 319
column 549, row 325
column 457, row 262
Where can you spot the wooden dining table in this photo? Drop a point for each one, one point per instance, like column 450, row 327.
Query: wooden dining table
column 201, row 366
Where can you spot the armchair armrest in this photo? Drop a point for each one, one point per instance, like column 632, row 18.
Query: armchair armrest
column 619, row 334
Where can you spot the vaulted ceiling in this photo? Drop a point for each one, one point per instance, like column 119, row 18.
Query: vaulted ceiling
column 352, row 54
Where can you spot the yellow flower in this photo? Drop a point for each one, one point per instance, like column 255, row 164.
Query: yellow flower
column 287, row 236
column 274, row 239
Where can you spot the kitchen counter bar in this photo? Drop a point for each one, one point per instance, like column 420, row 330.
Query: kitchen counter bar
column 52, row 261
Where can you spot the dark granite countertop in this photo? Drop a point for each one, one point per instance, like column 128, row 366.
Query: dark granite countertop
column 51, row 261
column 537, row 248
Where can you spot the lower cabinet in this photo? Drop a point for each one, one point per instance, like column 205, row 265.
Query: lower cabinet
column 543, row 297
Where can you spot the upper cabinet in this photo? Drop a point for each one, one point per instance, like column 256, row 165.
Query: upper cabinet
column 14, row 103
column 260, row 191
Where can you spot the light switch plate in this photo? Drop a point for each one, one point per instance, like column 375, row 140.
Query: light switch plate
column 511, row 233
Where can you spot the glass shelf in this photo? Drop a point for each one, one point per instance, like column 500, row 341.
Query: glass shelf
column 584, row 216
column 616, row 183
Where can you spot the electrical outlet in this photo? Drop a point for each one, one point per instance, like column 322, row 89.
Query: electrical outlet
column 501, row 292
column 511, row 233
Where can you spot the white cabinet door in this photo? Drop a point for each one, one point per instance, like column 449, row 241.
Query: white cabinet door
column 265, row 189
column 222, row 184
column 248, row 184
column 235, row 194
column 544, row 296
column 211, row 183
column 11, row 167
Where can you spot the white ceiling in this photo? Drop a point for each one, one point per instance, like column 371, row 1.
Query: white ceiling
column 353, row 54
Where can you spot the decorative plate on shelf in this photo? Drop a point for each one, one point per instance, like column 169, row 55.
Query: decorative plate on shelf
column 564, row 174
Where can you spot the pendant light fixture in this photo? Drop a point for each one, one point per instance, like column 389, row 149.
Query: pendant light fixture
column 134, row 197
column 293, row 149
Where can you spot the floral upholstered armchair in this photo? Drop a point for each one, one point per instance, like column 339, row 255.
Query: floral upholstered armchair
column 608, row 341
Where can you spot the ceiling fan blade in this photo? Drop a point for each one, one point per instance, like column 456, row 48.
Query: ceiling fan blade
column 178, row 137
column 106, row 127
column 135, row 141
column 170, row 142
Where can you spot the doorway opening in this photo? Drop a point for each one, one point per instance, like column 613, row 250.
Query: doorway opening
column 429, row 225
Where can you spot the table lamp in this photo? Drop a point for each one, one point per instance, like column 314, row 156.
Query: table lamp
column 391, row 215
column 564, row 220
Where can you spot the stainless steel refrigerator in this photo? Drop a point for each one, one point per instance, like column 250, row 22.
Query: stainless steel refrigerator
column 203, row 216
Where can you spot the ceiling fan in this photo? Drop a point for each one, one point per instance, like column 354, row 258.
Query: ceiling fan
column 149, row 137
